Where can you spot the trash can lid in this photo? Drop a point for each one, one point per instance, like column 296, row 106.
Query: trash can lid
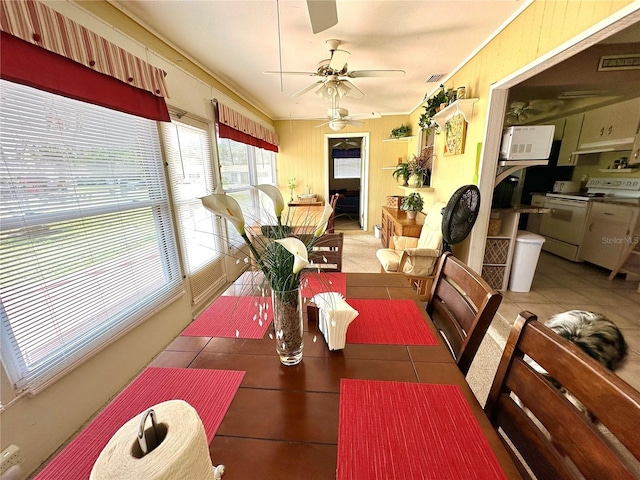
column 529, row 237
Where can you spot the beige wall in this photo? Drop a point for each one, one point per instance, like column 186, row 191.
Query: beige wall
column 302, row 156
column 39, row 425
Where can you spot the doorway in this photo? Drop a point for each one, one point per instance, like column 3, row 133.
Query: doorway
column 498, row 101
column 347, row 172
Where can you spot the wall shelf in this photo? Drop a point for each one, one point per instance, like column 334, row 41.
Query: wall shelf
column 416, row 189
column 464, row 106
column 399, row 139
column 618, row 170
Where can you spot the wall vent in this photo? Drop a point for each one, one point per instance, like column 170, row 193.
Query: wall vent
column 435, row 78
column 628, row 61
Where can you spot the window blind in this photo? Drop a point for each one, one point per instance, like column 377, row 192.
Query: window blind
column 86, row 237
column 190, row 167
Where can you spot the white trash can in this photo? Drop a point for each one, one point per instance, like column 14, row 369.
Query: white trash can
column 525, row 260
column 376, row 230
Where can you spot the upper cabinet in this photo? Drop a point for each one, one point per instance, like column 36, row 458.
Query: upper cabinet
column 570, row 136
column 611, row 125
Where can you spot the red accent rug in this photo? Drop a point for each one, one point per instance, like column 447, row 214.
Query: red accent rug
column 389, row 322
column 233, row 317
column 398, row 430
column 314, row 282
column 210, row 392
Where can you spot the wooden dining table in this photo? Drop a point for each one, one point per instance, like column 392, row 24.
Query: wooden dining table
column 283, row 421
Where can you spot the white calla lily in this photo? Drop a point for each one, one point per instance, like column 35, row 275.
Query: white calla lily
column 322, row 224
column 299, row 251
column 227, row 207
column 276, row 197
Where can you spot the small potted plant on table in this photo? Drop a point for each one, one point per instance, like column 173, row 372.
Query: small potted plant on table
column 412, row 204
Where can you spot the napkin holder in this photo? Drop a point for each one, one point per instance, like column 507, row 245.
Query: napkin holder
column 334, row 315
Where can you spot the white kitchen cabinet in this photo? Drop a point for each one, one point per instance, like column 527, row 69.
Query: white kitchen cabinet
column 612, row 124
column 570, row 136
column 608, row 233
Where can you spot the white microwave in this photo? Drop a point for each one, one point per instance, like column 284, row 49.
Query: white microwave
column 527, row 142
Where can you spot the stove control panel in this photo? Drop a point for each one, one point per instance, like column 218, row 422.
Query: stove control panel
column 632, row 184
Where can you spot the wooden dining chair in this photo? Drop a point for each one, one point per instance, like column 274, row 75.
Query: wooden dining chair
column 326, row 253
column 532, row 403
column 461, row 306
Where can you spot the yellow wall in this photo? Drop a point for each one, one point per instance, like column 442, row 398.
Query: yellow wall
column 302, row 151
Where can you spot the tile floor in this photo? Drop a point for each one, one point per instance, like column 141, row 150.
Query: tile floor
column 561, row 285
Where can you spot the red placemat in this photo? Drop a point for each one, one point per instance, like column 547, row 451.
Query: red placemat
column 233, row 317
column 398, row 430
column 210, row 392
column 314, row 282
column 389, row 322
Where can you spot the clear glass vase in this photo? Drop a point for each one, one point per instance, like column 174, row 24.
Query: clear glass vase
column 288, row 326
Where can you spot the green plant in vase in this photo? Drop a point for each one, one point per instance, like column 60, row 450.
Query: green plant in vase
column 401, row 131
column 402, row 171
column 412, row 204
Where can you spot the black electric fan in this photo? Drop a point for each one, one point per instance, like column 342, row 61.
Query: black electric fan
column 459, row 215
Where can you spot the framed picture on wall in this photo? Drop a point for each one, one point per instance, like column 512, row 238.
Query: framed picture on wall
column 455, row 132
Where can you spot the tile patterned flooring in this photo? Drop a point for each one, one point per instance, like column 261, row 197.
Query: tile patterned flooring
column 560, row 285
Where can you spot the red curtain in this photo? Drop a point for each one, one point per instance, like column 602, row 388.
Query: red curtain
column 224, row 131
column 28, row 64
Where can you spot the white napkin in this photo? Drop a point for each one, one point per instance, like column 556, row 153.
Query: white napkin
column 335, row 315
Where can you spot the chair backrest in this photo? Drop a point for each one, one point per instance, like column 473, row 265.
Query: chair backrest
column 431, row 233
column 553, row 437
column 331, row 222
column 326, row 254
column 462, row 306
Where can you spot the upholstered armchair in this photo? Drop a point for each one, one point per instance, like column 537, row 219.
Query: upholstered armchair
column 416, row 258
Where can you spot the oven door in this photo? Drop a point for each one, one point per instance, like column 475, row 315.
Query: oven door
column 565, row 221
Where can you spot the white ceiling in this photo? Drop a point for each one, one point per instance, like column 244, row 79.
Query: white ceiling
column 237, row 40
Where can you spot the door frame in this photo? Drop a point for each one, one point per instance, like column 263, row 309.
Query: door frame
column 364, row 171
column 497, row 104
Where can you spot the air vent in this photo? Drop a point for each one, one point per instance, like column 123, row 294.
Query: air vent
column 629, row 61
column 435, row 78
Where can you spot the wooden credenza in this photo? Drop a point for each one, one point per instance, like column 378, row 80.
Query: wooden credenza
column 395, row 222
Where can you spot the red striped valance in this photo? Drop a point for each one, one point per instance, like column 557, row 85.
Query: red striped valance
column 40, row 25
column 237, row 127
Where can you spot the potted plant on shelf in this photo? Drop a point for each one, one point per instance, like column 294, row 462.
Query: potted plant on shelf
column 432, row 107
column 401, row 131
column 420, row 167
column 402, row 170
column 412, row 204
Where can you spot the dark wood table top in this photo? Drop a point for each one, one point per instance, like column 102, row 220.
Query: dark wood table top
column 283, row 421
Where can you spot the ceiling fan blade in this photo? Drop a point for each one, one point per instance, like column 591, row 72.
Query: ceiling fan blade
column 307, row 88
column 366, row 115
column 323, row 124
column 339, row 60
column 274, row 72
column 323, row 14
column 376, row 73
column 355, row 123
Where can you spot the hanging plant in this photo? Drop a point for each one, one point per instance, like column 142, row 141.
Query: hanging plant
column 431, row 108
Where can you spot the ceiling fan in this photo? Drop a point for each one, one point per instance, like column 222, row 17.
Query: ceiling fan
column 339, row 118
column 334, row 75
column 521, row 111
column 346, row 144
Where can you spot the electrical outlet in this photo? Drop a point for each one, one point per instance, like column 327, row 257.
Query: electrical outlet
column 10, row 456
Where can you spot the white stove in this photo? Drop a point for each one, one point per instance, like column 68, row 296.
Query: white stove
column 564, row 226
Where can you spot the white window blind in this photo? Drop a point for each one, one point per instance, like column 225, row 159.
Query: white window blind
column 87, row 247
column 190, row 165
column 346, row 167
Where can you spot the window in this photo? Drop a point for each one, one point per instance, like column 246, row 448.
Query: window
column 346, row 167
column 86, row 237
column 242, row 167
column 190, row 165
